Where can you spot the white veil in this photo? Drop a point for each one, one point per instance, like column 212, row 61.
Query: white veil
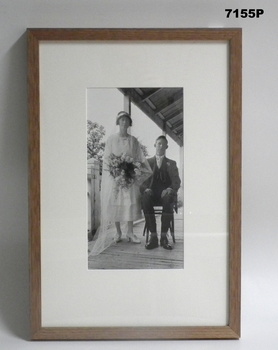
column 105, row 234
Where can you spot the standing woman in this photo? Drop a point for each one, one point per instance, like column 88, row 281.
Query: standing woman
column 120, row 195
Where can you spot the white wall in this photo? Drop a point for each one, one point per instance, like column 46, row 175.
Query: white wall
column 260, row 145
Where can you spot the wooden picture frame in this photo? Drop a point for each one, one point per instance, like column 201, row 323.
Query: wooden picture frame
column 230, row 330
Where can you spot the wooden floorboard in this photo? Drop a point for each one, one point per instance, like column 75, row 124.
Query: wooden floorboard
column 126, row 255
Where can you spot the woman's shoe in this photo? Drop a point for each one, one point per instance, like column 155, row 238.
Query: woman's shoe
column 118, row 237
column 131, row 237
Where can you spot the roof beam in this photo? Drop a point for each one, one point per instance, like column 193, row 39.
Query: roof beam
column 149, row 95
column 146, row 109
column 172, row 116
column 177, row 97
column 177, row 124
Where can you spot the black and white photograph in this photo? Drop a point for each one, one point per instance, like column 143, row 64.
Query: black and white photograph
column 135, row 178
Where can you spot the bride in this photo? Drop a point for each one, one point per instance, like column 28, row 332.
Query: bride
column 124, row 170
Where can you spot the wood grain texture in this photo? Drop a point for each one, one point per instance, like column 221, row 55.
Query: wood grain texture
column 34, row 182
column 235, row 180
column 133, row 34
column 135, row 333
column 234, row 37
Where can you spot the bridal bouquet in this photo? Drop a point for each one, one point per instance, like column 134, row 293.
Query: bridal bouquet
column 125, row 170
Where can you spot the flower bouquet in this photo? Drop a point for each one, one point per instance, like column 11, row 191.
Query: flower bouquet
column 125, row 171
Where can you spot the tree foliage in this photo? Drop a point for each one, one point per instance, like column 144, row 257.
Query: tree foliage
column 95, row 145
column 144, row 150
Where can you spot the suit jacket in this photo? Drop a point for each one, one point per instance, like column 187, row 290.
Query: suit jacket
column 169, row 172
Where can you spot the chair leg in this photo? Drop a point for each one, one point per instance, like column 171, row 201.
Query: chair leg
column 146, row 230
column 172, row 229
column 174, row 238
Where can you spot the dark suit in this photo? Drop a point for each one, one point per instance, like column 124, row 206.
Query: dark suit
column 167, row 176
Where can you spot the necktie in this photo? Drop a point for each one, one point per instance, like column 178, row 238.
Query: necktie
column 159, row 161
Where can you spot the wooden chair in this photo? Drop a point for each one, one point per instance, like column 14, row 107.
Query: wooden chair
column 158, row 211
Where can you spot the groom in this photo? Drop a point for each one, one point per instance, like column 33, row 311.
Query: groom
column 160, row 189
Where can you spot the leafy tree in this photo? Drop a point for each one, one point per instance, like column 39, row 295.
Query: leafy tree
column 95, row 147
column 144, row 150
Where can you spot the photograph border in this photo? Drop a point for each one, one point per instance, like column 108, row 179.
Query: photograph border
column 233, row 36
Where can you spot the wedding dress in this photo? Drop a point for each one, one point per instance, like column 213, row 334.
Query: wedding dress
column 117, row 203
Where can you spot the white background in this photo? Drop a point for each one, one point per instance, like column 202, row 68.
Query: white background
column 260, row 145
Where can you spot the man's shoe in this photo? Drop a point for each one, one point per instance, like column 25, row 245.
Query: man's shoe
column 153, row 243
column 166, row 245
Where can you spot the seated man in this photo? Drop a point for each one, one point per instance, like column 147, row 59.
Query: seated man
column 160, row 189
